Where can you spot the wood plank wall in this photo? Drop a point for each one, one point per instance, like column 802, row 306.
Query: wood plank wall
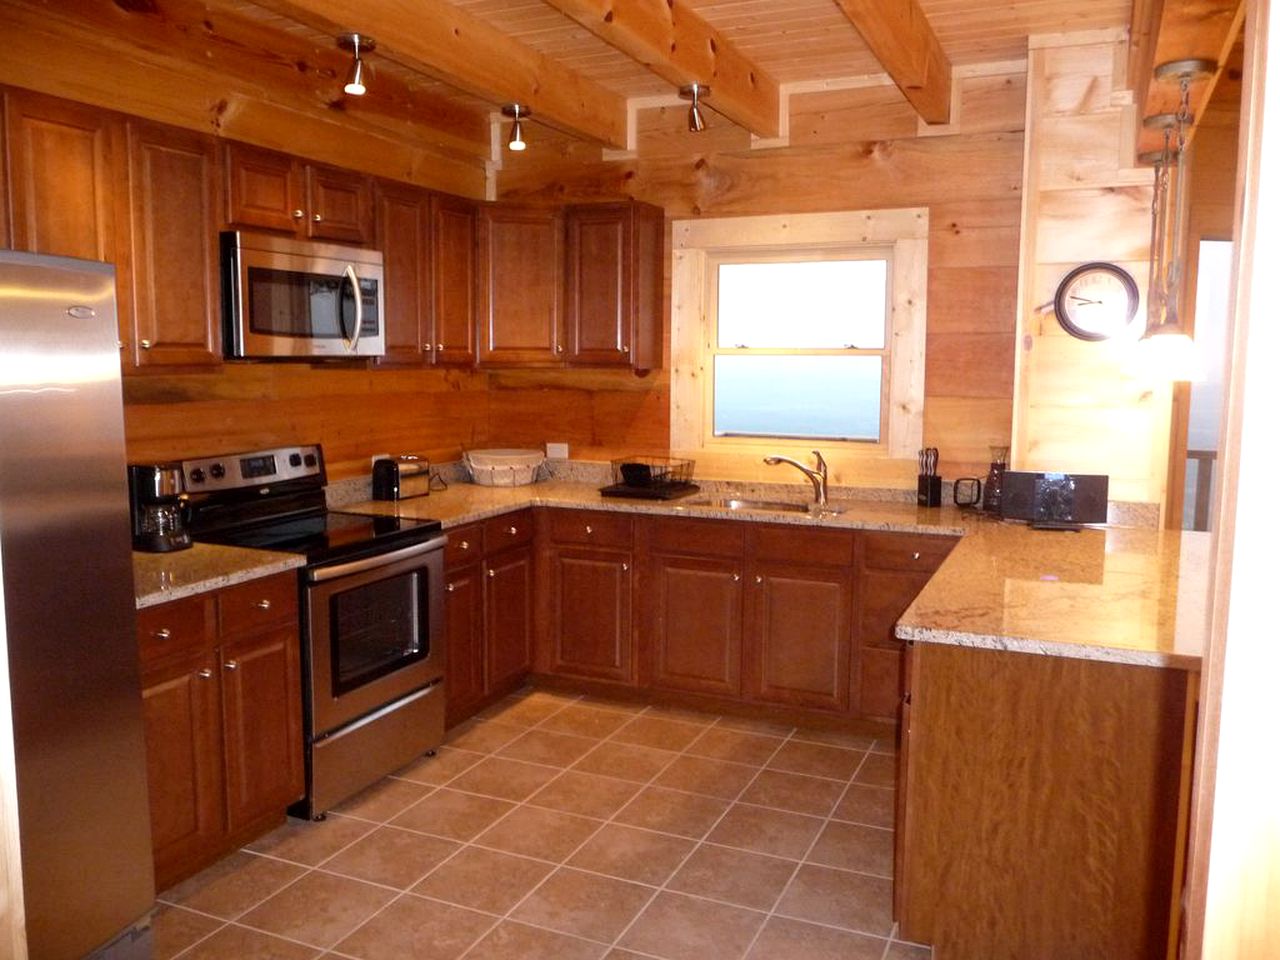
column 1084, row 407
column 850, row 149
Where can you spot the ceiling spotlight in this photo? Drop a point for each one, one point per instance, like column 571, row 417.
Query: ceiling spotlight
column 357, row 43
column 692, row 92
column 516, row 111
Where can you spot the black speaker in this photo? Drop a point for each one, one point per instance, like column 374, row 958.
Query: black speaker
column 1054, row 499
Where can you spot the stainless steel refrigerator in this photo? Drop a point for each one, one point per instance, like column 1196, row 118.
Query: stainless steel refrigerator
column 78, row 765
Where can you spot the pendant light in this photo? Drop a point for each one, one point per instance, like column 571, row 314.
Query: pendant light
column 356, row 43
column 693, row 92
column 516, row 111
column 1167, row 350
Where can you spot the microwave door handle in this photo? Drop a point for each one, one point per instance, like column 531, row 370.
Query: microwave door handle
column 354, row 280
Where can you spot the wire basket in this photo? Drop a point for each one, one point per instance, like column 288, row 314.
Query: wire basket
column 652, row 472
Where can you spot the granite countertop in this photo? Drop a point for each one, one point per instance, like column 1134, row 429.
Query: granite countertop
column 1125, row 594
column 161, row 577
column 1120, row 594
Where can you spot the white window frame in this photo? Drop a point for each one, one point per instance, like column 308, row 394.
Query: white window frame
column 698, row 245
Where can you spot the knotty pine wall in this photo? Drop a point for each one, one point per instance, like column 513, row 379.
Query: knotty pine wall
column 850, row 149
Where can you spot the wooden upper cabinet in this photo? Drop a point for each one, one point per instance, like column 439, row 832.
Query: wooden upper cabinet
column 403, row 216
column 521, row 264
column 273, row 191
column 64, row 166
column 613, row 285
column 174, row 193
column 454, row 278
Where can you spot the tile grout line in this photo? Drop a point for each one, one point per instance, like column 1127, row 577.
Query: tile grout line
column 611, row 819
column 773, row 911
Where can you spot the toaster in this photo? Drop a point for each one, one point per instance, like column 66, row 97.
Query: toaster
column 402, row 477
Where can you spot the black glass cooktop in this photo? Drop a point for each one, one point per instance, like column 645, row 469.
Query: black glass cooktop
column 328, row 536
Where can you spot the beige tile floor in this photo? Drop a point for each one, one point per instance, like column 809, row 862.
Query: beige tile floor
column 571, row 828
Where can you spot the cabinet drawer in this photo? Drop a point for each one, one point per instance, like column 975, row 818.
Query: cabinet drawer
column 181, row 626
column 508, row 530
column 794, row 545
column 709, row 538
column 900, row 551
column 466, row 544
column 595, row 527
column 258, row 603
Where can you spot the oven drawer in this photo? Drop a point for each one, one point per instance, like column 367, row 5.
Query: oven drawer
column 508, row 530
column 466, row 545
column 258, row 603
column 180, row 626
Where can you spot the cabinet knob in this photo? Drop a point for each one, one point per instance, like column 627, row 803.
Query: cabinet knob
column 263, row 604
column 232, row 664
column 164, row 633
column 448, row 588
column 492, row 574
column 512, row 530
column 626, row 349
column 626, row 567
column 559, row 348
column 464, row 545
column 737, row 577
column 759, row 579
column 119, row 344
column 145, row 344
column 297, row 214
column 439, row 347
column 916, row 555
column 427, row 348
column 204, row 674
column 316, row 218
column 588, row 529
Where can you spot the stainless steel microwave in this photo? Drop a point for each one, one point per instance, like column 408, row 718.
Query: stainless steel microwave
column 290, row 299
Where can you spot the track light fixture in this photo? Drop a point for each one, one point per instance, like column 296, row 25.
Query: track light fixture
column 692, row 92
column 356, row 43
column 516, row 112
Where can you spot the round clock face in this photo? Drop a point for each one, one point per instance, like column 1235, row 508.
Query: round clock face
column 1096, row 301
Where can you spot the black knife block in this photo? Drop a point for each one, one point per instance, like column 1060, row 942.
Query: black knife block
column 928, row 490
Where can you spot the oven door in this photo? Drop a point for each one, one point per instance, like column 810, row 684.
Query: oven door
column 374, row 632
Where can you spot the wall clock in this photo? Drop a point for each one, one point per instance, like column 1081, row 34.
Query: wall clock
column 1096, row 301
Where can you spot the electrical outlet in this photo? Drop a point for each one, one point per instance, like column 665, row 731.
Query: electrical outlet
column 557, row 451
column 378, row 456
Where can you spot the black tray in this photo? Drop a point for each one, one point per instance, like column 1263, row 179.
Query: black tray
column 657, row 491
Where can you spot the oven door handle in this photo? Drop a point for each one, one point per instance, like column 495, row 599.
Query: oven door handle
column 350, row 274
column 321, row 574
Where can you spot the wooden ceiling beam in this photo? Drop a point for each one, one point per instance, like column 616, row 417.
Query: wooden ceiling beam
column 447, row 42
column 1178, row 30
column 899, row 35
column 677, row 44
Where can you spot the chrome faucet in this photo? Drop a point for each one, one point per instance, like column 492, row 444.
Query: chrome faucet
column 817, row 477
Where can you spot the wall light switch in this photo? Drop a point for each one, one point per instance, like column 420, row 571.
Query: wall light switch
column 557, row 451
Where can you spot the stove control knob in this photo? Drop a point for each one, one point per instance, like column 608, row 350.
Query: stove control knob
column 217, row 471
column 197, row 475
column 309, row 459
column 295, row 459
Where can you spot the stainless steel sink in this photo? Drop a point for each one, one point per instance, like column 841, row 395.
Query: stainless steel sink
column 735, row 503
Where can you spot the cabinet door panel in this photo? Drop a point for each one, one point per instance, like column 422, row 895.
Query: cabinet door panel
column 884, row 599
column 454, row 278
column 591, row 614
column 508, row 615
column 521, row 264
column 262, row 724
column 402, row 236
column 63, row 164
column 262, row 189
column 880, row 683
column 695, row 624
column 174, row 196
column 340, row 205
column 464, row 641
column 184, row 775
column 599, row 306
column 800, row 635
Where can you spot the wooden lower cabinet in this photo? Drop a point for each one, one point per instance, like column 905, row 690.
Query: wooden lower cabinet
column 464, row 641
column 1039, row 802
column 508, row 615
column 222, row 708
column 694, row 623
column 591, row 614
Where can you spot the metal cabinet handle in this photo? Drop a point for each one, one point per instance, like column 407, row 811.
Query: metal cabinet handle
column 737, row 577
column 626, row 349
column 493, row 573
column 427, row 348
column 145, row 344
column 588, row 528
column 626, row 567
column 263, row 604
column 512, row 530
column 232, row 664
column 464, row 545
column 164, row 633
column 448, row 588
column 204, row 674
column 119, row 344
column 916, row 555
column 298, row 214
column 559, row 348
column 316, row 218
column 439, row 346
column 759, row 579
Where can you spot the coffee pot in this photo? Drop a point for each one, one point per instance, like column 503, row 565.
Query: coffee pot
column 158, row 507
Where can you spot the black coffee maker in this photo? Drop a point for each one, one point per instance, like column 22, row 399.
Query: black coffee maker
column 158, row 506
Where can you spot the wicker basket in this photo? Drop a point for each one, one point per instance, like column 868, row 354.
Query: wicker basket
column 503, row 468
